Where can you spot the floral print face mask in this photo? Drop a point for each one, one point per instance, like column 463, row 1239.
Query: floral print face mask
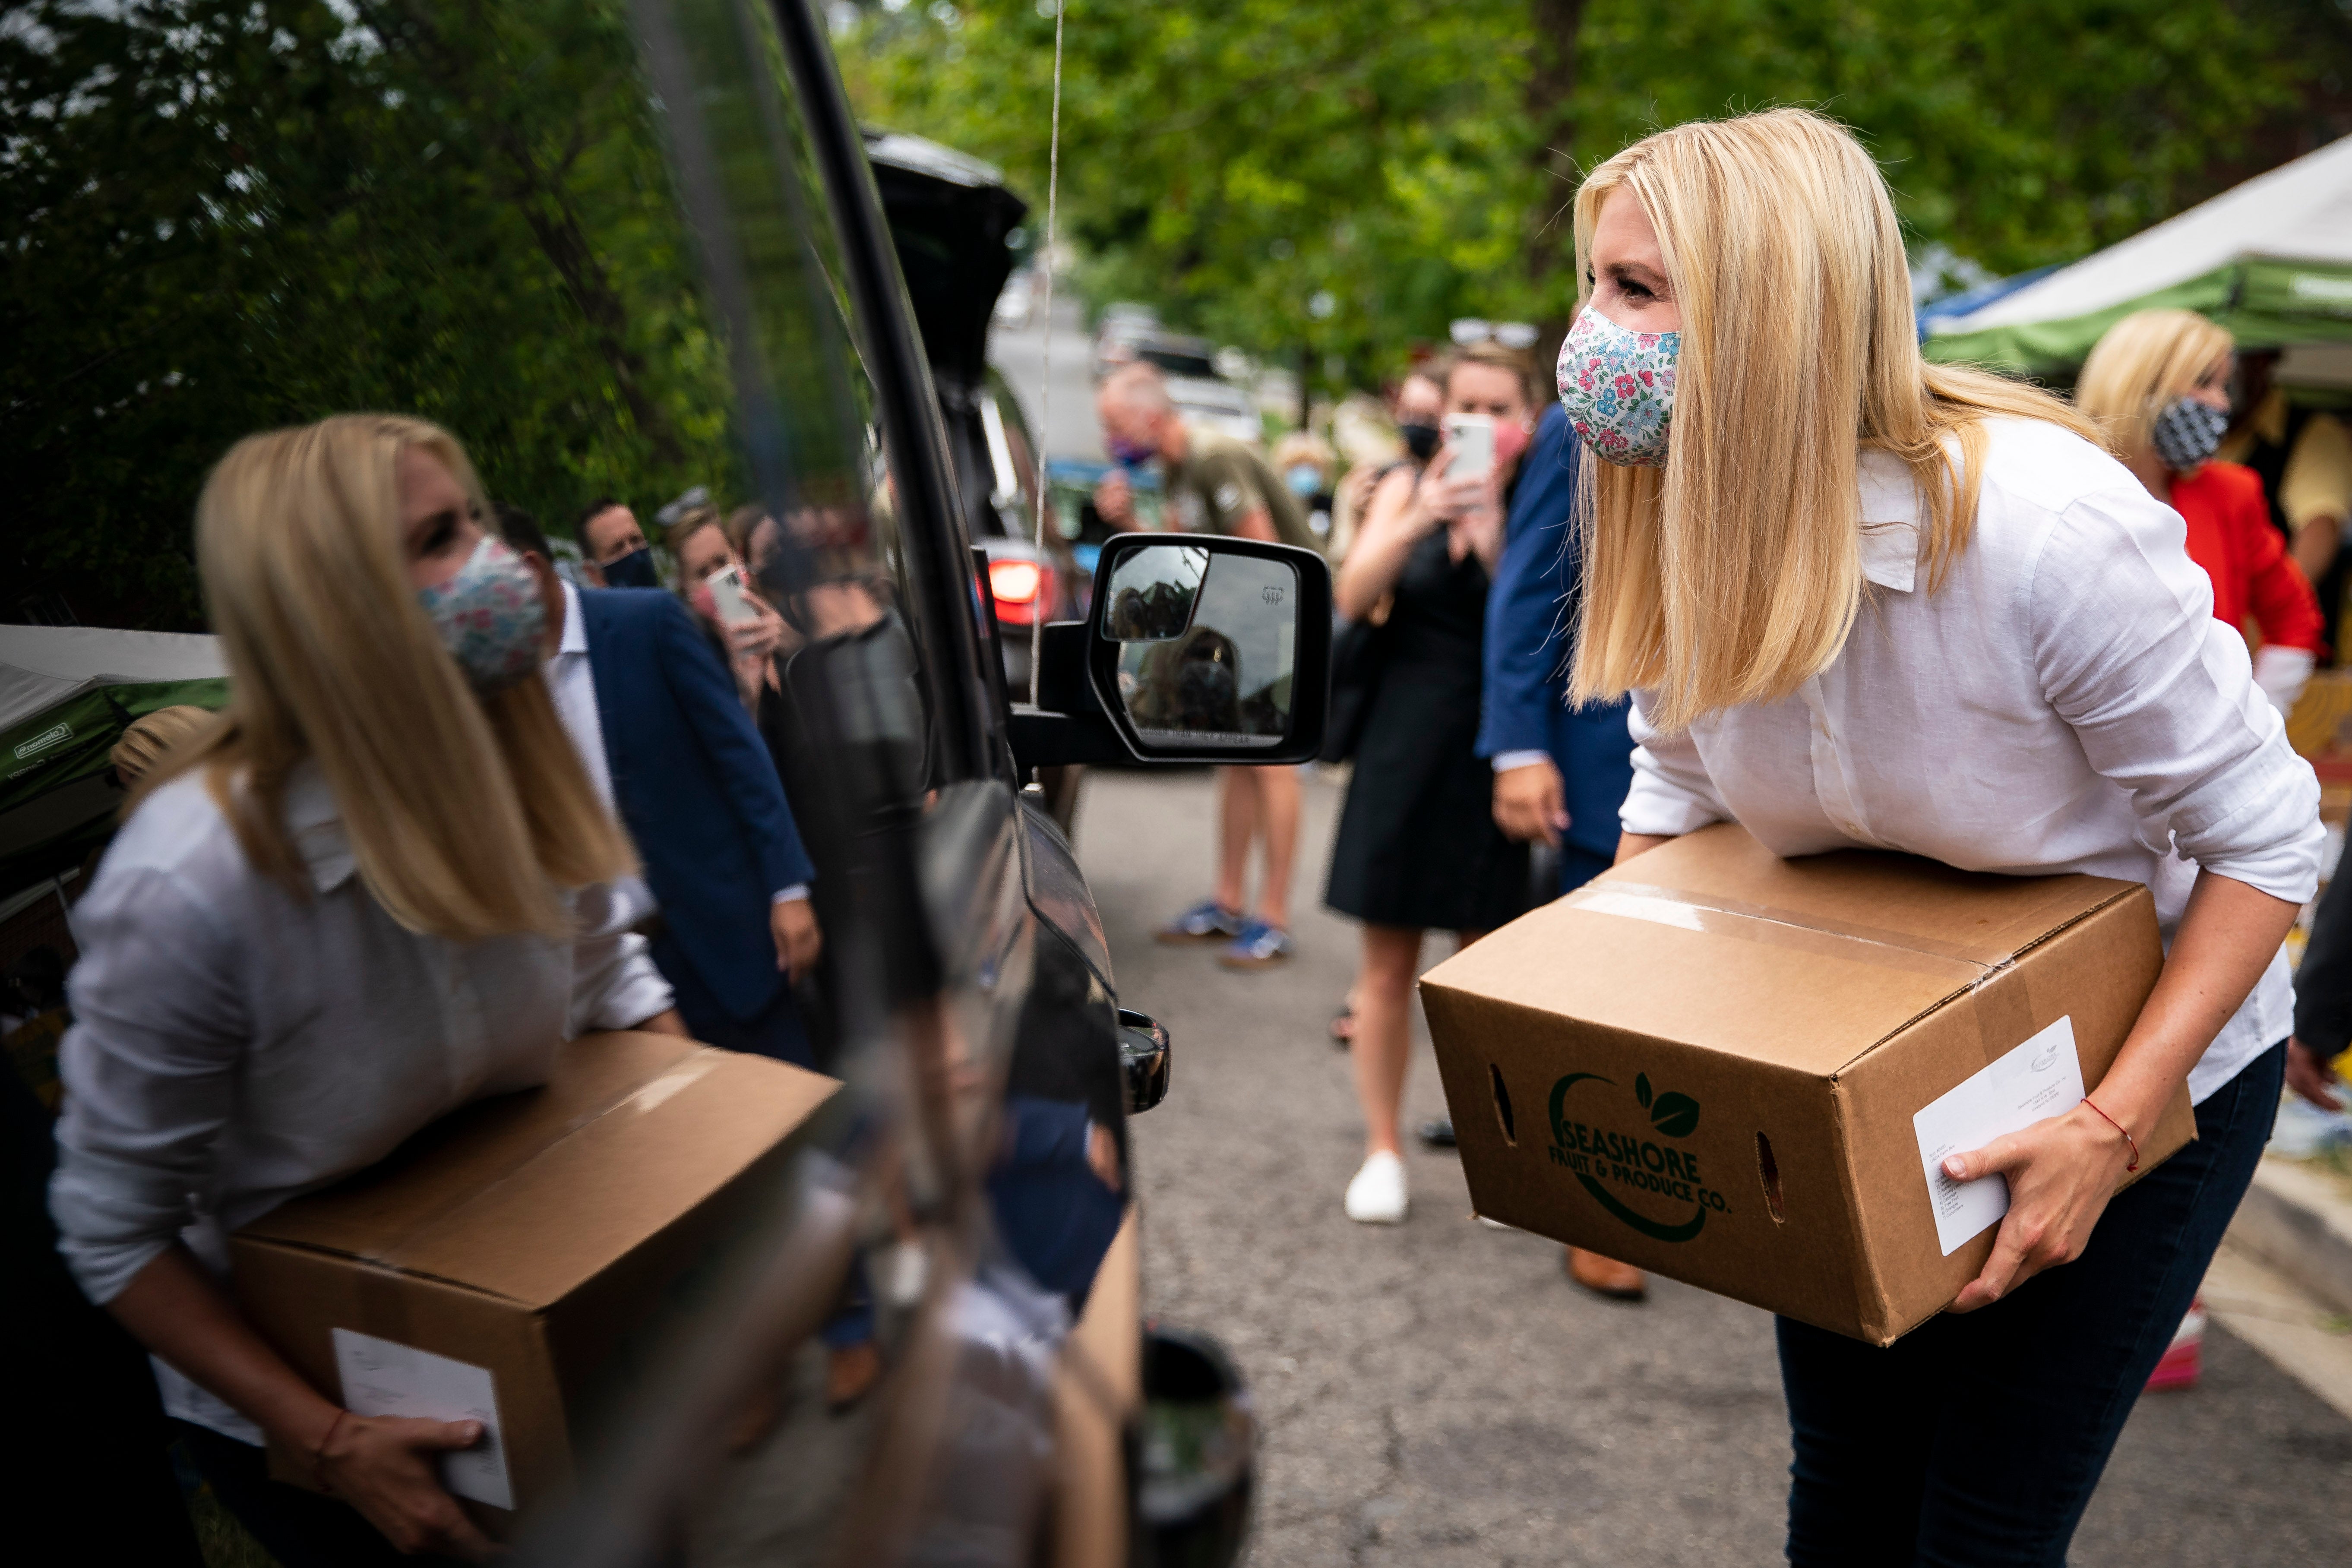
column 1618, row 387
column 490, row 615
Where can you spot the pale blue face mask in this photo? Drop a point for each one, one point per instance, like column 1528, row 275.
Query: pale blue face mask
column 1618, row 387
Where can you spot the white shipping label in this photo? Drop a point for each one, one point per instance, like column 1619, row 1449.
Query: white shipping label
column 382, row 1377
column 2042, row 1078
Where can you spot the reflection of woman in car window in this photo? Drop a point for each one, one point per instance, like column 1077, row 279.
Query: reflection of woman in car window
column 374, row 892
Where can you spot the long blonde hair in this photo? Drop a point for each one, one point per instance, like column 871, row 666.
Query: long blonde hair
column 466, row 814
column 1732, row 575
column 2141, row 364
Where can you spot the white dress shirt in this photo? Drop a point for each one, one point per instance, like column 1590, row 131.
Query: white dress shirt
column 572, row 681
column 235, row 1045
column 2065, row 702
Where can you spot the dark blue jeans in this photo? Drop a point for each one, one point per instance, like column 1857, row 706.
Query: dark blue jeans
column 1976, row 1439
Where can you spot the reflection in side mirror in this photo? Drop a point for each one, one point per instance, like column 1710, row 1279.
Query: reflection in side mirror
column 1153, row 594
column 1221, row 675
column 1214, row 649
column 1144, row 1057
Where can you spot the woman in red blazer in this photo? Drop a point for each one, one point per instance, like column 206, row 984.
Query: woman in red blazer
column 2158, row 382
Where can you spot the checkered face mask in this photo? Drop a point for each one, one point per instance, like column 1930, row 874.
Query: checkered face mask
column 2186, row 433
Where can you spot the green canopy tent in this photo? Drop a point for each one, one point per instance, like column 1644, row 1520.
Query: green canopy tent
column 2270, row 260
column 67, row 693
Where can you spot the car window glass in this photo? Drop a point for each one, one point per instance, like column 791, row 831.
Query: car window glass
column 810, row 435
column 591, row 240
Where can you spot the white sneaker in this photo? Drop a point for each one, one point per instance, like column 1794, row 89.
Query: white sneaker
column 1377, row 1195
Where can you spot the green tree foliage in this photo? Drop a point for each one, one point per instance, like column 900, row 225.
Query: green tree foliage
column 223, row 216
column 1229, row 158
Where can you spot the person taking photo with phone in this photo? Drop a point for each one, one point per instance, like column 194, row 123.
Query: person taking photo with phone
column 375, row 892
column 1865, row 601
column 1418, row 847
column 712, row 579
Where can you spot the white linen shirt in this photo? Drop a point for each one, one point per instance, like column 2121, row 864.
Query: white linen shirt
column 572, row 683
column 234, row 1045
column 2065, row 701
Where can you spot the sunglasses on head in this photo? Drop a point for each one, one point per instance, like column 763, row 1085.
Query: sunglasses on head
column 1469, row 331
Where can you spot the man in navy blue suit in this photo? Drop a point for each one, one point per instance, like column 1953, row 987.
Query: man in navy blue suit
column 658, row 721
column 1560, row 772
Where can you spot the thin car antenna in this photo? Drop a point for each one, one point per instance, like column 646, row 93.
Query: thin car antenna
column 1045, row 396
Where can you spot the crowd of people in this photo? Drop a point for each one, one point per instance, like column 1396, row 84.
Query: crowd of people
column 1748, row 558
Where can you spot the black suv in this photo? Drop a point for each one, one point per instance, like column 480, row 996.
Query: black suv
column 620, row 248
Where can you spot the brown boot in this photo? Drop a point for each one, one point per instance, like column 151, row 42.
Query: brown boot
column 1606, row 1276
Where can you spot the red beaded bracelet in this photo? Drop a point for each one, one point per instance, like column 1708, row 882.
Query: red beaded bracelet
column 2120, row 1128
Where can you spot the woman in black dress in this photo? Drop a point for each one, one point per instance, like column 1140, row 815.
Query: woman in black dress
column 1418, row 847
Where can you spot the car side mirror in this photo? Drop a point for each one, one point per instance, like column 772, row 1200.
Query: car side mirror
column 1197, row 648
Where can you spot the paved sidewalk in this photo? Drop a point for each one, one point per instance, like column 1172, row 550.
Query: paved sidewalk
column 1436, row 1393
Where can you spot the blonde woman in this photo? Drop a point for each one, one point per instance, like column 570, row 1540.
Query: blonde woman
column 371, row 894
column 2159, row 384
column 1861, row 600
column 704, row 547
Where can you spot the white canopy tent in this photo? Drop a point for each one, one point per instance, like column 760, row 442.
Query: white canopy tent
column 41, row 667
column 2271, row 259
column 67, row 693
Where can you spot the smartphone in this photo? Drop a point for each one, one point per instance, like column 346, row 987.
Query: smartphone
column 727, row 593
column 1474, row 445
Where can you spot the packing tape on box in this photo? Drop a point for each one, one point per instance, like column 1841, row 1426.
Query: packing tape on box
column 2004, row 1011
column 1778, row 926
column 395, row 1252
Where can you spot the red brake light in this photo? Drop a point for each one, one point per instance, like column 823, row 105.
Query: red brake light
column 1020, row 588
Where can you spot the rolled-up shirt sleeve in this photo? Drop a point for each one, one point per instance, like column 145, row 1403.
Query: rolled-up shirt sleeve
column 1672, row 794
column 149, row 1070
column 614, row 984
column 2162, row 697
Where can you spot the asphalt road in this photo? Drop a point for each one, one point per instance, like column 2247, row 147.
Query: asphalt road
column 1437, row 1393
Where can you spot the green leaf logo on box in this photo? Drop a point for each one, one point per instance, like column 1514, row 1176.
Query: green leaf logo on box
column 1605, row 1158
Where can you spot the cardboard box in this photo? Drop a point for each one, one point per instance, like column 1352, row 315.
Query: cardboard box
column 516, row 1242
column 1707, row 1062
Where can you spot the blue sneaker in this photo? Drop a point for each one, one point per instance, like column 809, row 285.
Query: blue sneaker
column 1206, row 921
column 1257, row 946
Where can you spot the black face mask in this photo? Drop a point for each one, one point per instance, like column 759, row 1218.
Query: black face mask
column 634, row 570
column 1420, row 439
